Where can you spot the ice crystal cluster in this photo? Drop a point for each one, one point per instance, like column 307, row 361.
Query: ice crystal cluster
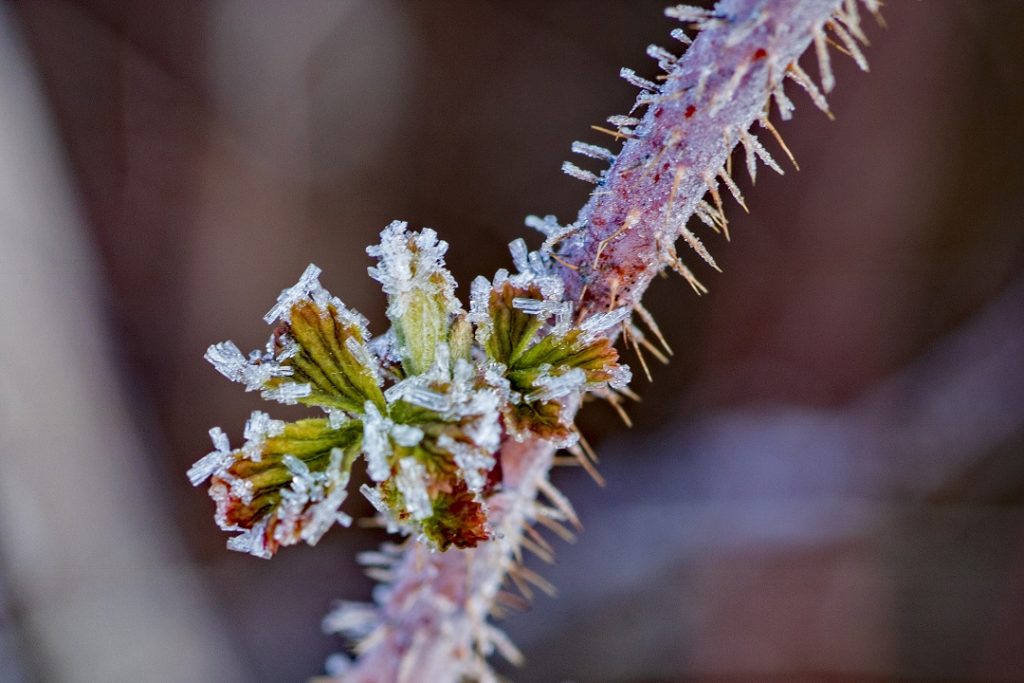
column 425, row 405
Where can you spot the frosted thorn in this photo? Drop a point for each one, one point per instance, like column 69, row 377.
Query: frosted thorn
column 615, row 134
column 680, row 35
column 648, row 319
column 704, row 212
column 380, row 575
column 588, row 464
column 559, row 501
column 784, row 104
column 630, row 394
column 639, row 335
column 592, row 151
column 688, row 13
column 575, row 171
column 733, row 189
column 801, row 78
column 850, row 16
column 764, row 156
column 723, row 97
column 511, row 600
column 850, row 44
column 627, row 332
column 587, row 449
column 538, row 539
column 631, row 77
column 690, row 278
column 631, row 220
column 875, row 7
column 539, row 551
column 534, row 578
column 374, row 558
column 767, row 125
column 828, row 79
column 741, row 33
column 545, row 518
column 666, row 60
column 523, row 586
column 620, row 121
column 712, row 186
column 615, row 402
column 702, row 82
column 751, row 159
column 503, row 645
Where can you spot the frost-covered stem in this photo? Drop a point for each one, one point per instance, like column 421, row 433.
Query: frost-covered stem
column 720, row 87
column 431, row 623
column 431, row 618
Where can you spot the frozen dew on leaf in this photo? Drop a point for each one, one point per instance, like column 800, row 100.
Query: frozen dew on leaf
column 427, row 404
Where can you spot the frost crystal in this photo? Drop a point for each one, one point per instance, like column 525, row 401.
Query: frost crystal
column 411, row 481
column 409, row 262
column 258, row 427
column 252, row 541
column 253, row 372
column 213, row 461
column 474, row 461
column 307, row 286
column 287, row 393
column 549, row 227
column 376, row 443
column 556, row 386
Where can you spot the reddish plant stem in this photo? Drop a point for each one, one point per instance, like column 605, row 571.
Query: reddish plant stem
column 432, row 618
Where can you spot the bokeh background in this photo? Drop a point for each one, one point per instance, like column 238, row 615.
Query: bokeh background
column 826, row 483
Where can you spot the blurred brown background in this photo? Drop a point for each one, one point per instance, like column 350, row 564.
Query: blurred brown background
column 826, row 483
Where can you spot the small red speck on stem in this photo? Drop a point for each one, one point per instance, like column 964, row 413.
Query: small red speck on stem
column 690, row 111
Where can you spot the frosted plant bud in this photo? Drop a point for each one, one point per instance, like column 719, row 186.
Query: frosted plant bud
column 317, row 355
column 546, row 358
column 421, row 291
column 277, row 489
column 332, row 368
